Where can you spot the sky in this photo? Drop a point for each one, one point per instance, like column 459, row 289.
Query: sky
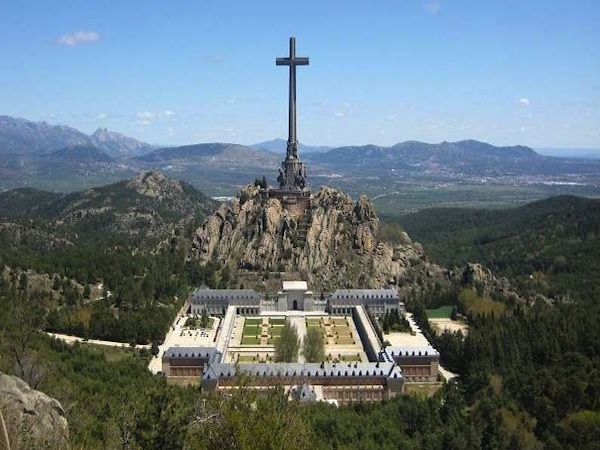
column 381, row 71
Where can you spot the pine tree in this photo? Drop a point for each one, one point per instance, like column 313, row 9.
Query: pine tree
column 287, row 346
column 313, row 345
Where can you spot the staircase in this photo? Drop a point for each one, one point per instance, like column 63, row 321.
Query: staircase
column 302, row 230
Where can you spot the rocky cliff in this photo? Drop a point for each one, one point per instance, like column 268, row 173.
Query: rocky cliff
column 32, row 419
column 334, row 245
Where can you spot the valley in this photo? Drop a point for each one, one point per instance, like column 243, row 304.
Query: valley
column 400, row 179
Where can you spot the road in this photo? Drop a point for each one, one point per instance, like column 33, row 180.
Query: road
column 72, row 339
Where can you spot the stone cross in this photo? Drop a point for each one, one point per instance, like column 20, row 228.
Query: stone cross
column 292, row 61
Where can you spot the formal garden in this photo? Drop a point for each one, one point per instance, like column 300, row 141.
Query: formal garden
column 261, row 331
column 336, row 330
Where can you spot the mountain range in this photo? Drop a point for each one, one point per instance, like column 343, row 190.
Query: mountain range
column 60, row 158
column 21, row 136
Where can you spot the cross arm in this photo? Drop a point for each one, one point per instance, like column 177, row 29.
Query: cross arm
column 290, row 62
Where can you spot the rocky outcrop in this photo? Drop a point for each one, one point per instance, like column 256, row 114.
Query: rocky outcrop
column 333, row 246
column 155, row 184
column 486, row 281
column 32, row 419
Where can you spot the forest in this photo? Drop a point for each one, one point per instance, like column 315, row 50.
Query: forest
column 550, row 247
column 529, row 375
column 529, row 378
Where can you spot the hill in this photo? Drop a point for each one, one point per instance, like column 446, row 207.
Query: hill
column 333, row 243
column 102, row 260
column 550, row 246
column 279, row 147
column 149, row 207
column 75, row 156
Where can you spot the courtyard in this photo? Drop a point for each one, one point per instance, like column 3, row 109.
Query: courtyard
column 253, row 338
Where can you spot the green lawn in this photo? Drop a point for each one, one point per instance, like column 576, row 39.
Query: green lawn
column 275, row 332
column 252, row 330
column 250, row 340
column 253, row 322
column 277, row 322
column 443, row 312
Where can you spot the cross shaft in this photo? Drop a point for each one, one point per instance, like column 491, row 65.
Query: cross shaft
column 292, row 61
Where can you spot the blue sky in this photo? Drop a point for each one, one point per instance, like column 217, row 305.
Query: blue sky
column 381, row 71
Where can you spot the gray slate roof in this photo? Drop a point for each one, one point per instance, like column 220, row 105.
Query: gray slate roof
column 209, row 353
column 424, row 350
column 368, row 295
column 352, row 370
column 225, row 295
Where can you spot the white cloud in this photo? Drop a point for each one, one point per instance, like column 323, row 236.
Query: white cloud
column 79, row 37
column 147, row 118
column 340, row 114
column 432, row 7
column 145, row 115
column 101, row 116
column 524, row 101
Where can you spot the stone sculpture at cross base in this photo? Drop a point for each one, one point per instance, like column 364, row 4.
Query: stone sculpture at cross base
column 292, row 175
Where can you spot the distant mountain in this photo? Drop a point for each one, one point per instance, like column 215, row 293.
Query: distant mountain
column 80, row 154
column 119, row 145
column 212, row 154
column 59, row 158
column 591, row 153
column 464, row 156
column 203, row 157
column 279, row 146
column 20, row 136
column 23, row 137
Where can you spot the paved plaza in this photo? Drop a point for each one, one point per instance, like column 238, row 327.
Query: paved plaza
column 179, row 335
column 414, row 339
